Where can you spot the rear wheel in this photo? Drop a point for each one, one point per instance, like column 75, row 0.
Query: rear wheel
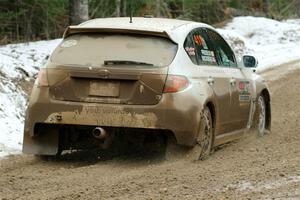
column 261, row 116
column 203, row 146
column 204, row 140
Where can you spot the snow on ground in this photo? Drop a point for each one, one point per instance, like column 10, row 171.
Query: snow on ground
column 248, row 187
column 17, row 62
column 272, row 42
column 27, row 56
column 12, row 106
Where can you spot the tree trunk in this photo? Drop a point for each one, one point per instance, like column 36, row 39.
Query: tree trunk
column 266, row 4
column 157, row 8
column 118, row 8
column 124, row 8
column 79, row 11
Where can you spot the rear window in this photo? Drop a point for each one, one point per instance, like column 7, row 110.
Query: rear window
column 97, row 50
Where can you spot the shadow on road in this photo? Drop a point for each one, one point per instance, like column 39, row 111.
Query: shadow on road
column 81, row 158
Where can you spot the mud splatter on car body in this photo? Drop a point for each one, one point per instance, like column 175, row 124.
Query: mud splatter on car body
column 153, row 74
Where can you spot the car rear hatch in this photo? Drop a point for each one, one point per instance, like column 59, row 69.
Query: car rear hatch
column 110, row 68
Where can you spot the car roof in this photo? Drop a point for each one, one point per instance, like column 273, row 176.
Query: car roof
column 154, row 25
column 139, row 23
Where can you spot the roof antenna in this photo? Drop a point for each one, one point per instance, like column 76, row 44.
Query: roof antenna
column 130, row 10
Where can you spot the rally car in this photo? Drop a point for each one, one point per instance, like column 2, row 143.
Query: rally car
column 144, row 81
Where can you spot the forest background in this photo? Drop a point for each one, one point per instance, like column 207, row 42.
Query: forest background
column 31, row 20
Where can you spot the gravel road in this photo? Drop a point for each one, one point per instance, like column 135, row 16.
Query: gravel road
column 251, row 168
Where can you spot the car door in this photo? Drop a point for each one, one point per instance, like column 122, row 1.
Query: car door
column 202, row 54
column 239, row 84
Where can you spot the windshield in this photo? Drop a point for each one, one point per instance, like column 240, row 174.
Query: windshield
column 97, row 50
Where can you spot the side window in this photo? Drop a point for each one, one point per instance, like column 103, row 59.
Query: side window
column 224, row 54
column 199, row 48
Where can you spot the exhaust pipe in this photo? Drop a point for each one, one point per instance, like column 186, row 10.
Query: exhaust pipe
column 99, row 133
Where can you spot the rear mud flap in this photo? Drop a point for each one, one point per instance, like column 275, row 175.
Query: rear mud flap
column 46, row 143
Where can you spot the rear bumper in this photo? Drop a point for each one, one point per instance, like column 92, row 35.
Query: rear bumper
column 181, row 117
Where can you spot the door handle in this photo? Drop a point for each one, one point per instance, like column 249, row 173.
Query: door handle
column 232, row 82
column 210, row 81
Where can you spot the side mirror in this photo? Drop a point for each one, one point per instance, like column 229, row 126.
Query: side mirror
column 250, row 61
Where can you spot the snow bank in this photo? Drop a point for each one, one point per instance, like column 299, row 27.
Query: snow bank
column 11, row 116
column 272, row 42
column 17, row 62
column 27, row 56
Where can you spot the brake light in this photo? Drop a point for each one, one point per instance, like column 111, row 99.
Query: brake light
column 176, row 83
column 42, row 79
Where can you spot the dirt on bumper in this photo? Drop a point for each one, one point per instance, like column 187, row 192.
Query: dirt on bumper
column 163, row 116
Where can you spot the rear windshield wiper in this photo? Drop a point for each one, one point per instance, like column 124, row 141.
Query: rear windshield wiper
column 125, row 62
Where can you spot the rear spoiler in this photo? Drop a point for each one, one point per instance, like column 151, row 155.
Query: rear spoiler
column 75, row 29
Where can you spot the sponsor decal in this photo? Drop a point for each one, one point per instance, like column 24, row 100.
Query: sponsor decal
column 208, row 59
column 190, row 51
column 207, row 53
column 244, row 90
column 243, row 97
column 200, row 41
column 244, row 87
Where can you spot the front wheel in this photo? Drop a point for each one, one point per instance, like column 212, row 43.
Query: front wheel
column 261, row 116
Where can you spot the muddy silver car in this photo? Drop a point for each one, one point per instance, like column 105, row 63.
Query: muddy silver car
column 151, row 80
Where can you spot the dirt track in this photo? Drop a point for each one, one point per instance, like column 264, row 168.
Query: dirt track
column 251, row 168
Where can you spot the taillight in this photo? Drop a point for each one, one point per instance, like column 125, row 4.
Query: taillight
column 42, row 79
column 176, row 83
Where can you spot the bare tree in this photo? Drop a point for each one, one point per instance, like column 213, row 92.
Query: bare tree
column 118, row 8
column 266, row 4
column 124, row 8
column 157, row 8
column 78, row 12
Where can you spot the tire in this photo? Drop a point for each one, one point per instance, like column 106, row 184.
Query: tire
column 204, row 140
column 262, row 116
column 203, row 146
